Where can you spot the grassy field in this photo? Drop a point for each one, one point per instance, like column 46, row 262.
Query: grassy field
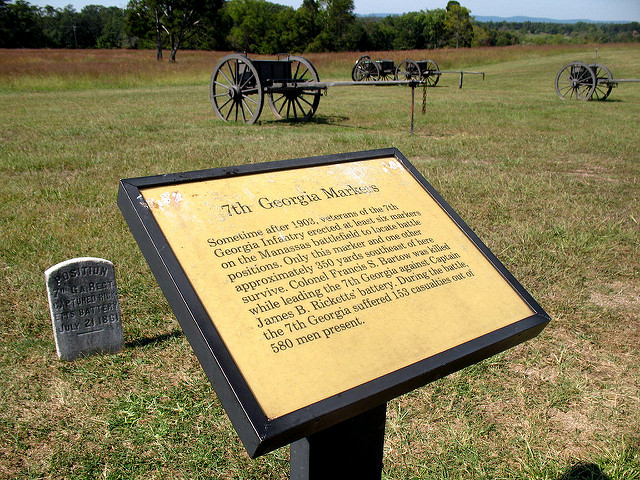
column 551, row 187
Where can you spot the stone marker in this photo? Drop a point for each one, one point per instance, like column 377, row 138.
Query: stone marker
column 85, row 312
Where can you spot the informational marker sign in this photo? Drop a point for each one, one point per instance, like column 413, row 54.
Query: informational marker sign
column 315, row 289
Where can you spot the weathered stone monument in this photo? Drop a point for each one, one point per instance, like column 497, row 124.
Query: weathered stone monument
column 85, row 312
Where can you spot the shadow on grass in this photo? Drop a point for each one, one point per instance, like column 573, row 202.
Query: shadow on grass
column 584, row 471
column 329, row 119
column 143, row 342
column 335, row 120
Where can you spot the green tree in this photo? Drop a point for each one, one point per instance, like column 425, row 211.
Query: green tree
column 184, row 17
column 143, row 22
column 112, row 31
column 255, row 25
column 212, row 31
column 458, row 26
column 87, row 26
column 139, row 27
column 20, row 25
column 336, row 20
column 379, row 33
column 60, row 27
column 435, row 28
column 409, row 29
column 173, row 20
column 306, row 25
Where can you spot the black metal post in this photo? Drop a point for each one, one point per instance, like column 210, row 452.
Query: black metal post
column 349, row 450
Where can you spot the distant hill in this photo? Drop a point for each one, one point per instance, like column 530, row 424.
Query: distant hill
column 509, row 19
column 539, row 20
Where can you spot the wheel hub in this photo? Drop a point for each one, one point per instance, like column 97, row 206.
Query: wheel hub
column 234, row 93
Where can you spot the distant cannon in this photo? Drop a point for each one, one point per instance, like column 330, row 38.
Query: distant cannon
column 582, row 81
column 239, row 86
column 367, row 70
column 425, row 71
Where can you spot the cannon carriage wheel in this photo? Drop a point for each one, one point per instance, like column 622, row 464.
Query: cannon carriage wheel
column 604, row 80
column 410, row 70
column 236, row 90
column 407, row 70
column 576, row 80
column 295, row 102
column 428, row 74
column 365, row 70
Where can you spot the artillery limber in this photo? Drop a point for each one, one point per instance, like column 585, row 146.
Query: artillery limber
column 582, row 81
column 290, row 84
column 367, row 70
column 425, row 71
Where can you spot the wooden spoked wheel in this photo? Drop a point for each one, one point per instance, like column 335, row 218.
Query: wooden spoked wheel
column 365, row 70
column 604, row 81
column 428, row 69
column 235, row 90
column 294, row 101
column 354, row 70
column 576, row 80
column 407, row 70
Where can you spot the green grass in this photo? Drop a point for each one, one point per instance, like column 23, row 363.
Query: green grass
column 551, row 187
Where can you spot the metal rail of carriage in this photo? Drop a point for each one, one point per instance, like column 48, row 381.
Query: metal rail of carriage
column 586, row 81
column 290, row 85
column 367, row 70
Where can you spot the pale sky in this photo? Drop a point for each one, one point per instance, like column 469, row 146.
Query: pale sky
column 600, row 10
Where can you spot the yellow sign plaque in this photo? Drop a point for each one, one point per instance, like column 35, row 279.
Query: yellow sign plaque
column 322, row 279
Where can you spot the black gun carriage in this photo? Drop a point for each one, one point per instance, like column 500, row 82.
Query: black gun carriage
column 239, row 85
column 586, row 81
column 365, row 70
column 291, row 86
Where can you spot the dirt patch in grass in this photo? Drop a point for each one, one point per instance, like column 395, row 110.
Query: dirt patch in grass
column 621, row 297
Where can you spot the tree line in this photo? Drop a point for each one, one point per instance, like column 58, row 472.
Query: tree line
column 259, row 26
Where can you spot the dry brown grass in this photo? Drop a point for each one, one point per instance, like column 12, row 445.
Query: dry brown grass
column 29, row 69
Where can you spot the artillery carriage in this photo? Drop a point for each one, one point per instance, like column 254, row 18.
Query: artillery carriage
column 367, row 70
column 582, row 81
column 292, row 87
column 239, row 85
column 426, row 72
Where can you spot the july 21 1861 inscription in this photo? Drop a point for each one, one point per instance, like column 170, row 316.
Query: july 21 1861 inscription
column 320, row 280
column 84, row 306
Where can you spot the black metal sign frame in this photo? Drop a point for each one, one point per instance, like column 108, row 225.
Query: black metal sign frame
column 258, row 433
